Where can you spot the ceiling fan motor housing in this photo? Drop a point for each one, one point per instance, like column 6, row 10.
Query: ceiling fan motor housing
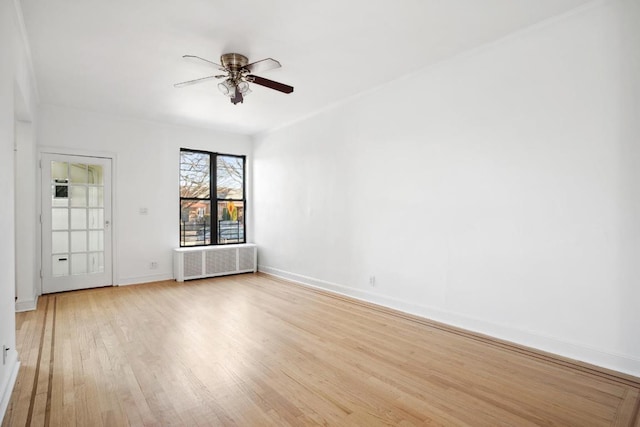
column 233, row 61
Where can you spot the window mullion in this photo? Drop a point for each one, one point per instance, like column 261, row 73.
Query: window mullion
column 213, row 166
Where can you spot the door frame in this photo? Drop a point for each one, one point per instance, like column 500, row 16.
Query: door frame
column 114, row 223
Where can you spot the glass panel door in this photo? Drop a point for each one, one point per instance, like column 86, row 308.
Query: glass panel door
column 76, row 232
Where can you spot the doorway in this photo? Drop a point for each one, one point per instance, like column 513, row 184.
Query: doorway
column 76, row 222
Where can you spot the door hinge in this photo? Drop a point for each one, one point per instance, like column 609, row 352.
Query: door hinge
column 41, row 273
column 40, row 163
column 40, row 218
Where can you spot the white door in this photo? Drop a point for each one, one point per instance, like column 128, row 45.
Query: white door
column 76, row 219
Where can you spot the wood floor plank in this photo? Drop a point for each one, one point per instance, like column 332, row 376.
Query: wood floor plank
column 28, row 331
column 253, row 350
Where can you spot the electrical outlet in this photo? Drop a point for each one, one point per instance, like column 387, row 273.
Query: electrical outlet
column 153, row 265
column 5, row 351
column 372, row 281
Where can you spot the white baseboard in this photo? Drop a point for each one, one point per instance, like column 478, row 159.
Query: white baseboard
column 124, row 281
column 7, row 389
column 617, row 362
column 26, row 305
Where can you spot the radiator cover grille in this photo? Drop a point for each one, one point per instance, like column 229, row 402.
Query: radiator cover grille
column 210, row 261
column 246, row 258
column 221, row 261
column 192, row 264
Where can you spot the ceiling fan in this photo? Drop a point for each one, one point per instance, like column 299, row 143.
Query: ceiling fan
column 238, row 75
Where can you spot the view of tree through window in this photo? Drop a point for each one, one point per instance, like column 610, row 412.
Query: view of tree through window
column 203, row 219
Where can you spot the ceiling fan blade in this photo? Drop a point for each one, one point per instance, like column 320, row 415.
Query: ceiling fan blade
column 281, row 87
column 193, row 82
column 263, row 65
column 192, row 57
column 238, row 97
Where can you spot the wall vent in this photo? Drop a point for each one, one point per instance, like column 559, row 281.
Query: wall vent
column 210, row 261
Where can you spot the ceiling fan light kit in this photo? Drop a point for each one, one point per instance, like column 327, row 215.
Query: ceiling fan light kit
column 238, row 75
column 228, row 88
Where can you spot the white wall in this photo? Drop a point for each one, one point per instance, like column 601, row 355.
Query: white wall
column 26, row 214
column 498, row 191
column 17, row 102
column 146, row 176
column 7, row 252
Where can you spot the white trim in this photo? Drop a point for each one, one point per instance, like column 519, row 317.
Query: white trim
column 138, row 280
column 27, row 305
column 619, row 362
column 27, row 49
column 8, row 389
column 76, row 152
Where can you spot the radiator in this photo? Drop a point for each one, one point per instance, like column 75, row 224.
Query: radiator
column 210, row 261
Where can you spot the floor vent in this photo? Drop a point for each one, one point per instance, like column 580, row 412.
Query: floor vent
column 210, row 261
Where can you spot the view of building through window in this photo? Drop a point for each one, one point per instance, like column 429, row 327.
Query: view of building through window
column 207, row 219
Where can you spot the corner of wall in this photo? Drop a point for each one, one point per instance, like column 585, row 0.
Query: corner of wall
column 7, row 388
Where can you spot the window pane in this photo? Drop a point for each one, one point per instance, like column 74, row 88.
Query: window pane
column 96, row 262
column 195, row 223
column 60, row 265
column 78, row 241
column 230, row 175
column 194, row 175
column 95, row 174
column 78, row 172
column 78, row 195
column 230, row 222
column 60, row 219
column 96, row 219
column 96, row 240
column 59, row 172
column 60, row 242
column 79, row 264
column 96, row 196
column 78, row 219
column 59, row 195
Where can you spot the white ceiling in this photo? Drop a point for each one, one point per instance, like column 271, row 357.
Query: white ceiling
column 123, row 56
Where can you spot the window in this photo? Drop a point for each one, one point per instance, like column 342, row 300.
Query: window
column 211, row 217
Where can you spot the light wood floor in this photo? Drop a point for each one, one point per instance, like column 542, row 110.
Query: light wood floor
column 250, row 350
